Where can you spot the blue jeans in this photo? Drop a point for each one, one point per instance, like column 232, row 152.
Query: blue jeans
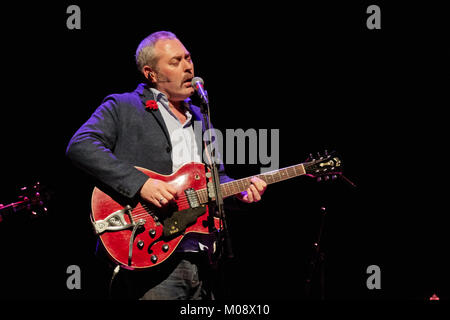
column 187, row 276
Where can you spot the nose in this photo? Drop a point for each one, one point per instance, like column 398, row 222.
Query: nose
column 188, row 66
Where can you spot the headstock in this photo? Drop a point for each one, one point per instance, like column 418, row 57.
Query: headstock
column 34, row 199
column 324, row 167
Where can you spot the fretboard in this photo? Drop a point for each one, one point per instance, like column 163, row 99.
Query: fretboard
column 240, row 185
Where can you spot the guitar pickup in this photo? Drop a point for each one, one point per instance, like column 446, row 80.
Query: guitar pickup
column 192, row 197
column 114, row 222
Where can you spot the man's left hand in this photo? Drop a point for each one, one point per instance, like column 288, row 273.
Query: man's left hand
column 254, row 192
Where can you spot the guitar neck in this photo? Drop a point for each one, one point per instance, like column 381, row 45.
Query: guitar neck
column 237, row 186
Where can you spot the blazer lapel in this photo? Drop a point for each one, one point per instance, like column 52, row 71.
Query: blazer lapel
column 146, row 94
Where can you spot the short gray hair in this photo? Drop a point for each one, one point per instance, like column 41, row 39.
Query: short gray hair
column 145, row 53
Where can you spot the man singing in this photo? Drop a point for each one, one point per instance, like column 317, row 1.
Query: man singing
column 122, row 133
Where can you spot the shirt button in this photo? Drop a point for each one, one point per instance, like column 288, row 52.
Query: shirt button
column 168, row 149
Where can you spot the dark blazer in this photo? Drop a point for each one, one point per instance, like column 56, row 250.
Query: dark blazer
column 122, row 134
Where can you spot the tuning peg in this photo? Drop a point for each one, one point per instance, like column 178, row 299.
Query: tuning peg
column 319, row 179
column 326, row 178
column 311, row 158
column 319, row 156
column 326, row 153
column 333, row 177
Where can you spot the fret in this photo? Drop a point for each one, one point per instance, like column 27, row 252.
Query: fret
column 283, row 174
column 241, row 185
column 223, row 189
column 247, row 183
column 228, row 191
column 290, row 172
column 269, row 178
column 244, row 184
column 234, row 187
column 277, row 176
column 299, row 169
column 230, row 188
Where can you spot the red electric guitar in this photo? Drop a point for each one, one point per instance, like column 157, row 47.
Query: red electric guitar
column 144, row 236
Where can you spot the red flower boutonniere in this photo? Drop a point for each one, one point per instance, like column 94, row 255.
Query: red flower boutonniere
column 151, row 105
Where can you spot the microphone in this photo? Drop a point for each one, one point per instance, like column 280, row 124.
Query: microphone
column 197, row 83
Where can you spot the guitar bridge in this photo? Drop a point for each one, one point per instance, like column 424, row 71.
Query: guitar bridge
column 115, row 221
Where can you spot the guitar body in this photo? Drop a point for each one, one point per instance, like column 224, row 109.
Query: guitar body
column 147, row 245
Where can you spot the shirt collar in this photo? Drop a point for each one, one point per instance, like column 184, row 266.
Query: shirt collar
column 162, row 99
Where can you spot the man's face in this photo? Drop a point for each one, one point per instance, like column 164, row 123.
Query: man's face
column 174, row 70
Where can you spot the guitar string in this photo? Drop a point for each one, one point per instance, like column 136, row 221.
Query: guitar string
column 182, row 200
column 138, row 213
column 142, row 212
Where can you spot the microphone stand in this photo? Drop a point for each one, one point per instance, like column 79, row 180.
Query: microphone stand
column 215, row 184
column 317, row 263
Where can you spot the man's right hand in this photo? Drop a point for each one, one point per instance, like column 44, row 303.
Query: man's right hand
column 157, row 192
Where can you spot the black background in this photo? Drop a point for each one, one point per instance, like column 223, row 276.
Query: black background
column 313, row 71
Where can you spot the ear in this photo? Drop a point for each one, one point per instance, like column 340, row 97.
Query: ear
column 149, row 74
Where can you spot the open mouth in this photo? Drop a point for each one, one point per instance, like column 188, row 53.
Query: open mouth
column 188, row 81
